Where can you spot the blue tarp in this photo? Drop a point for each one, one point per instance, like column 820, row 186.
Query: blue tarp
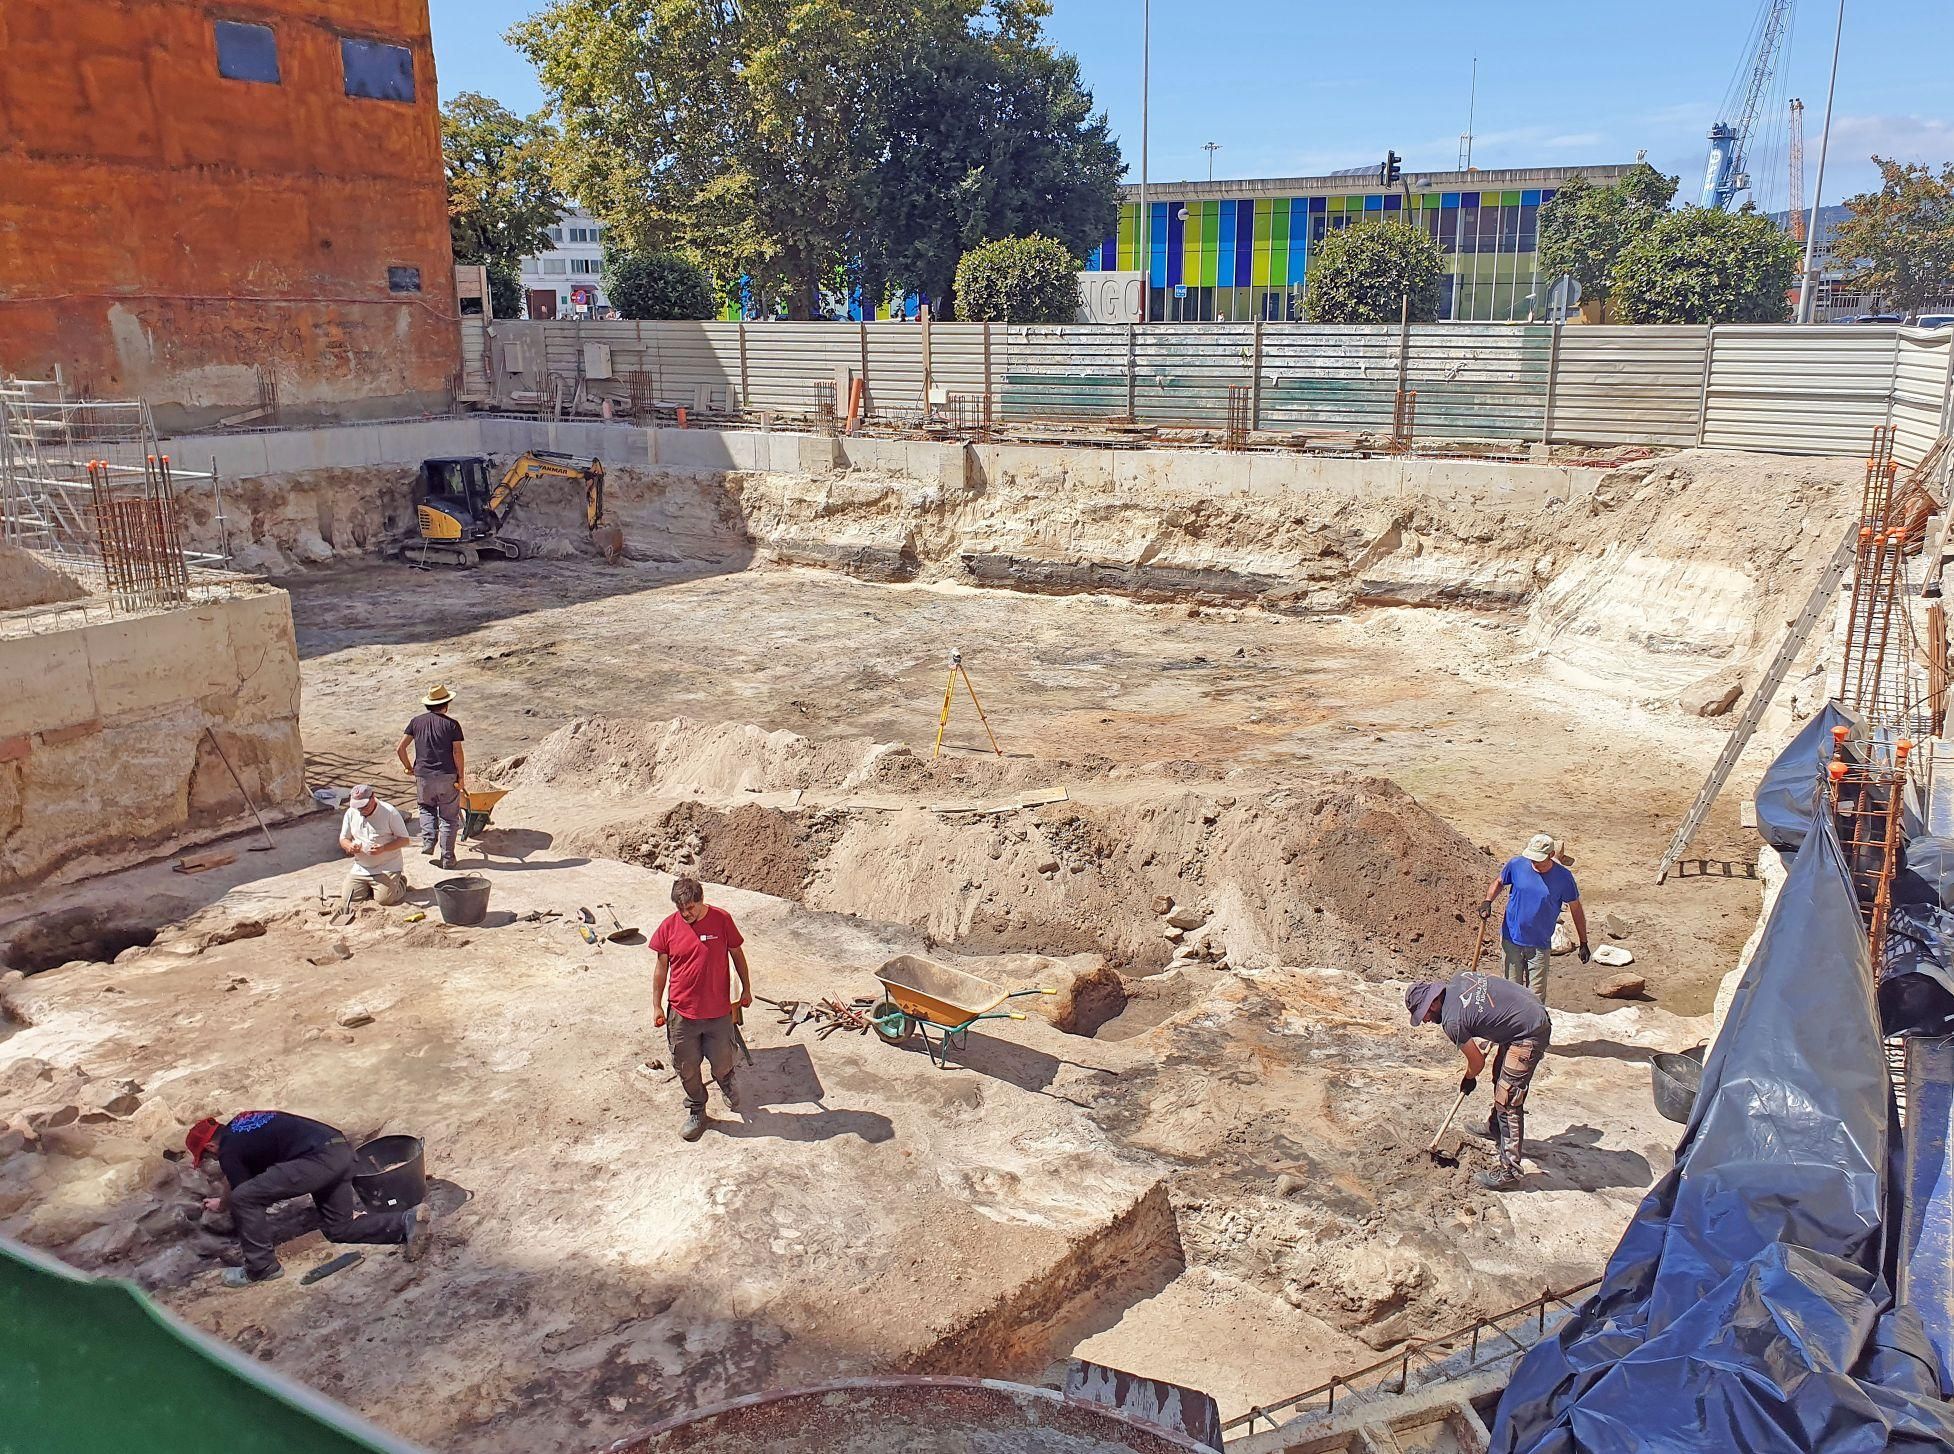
column 1748, row 1306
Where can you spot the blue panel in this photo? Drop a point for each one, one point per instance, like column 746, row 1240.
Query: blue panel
column 246, row 52
column 1109, row 251
column 1319, row 204
column 1092, row 261
column 1298, row 238
column 1224, row 261
column 376, row 70
column 1244, row 242
column 1393, row 202
column 1176, row 244
column 1547, row 194
column 1373, row 204
column 1468, row 199
column 1157, row 245
column 1531, row 197
column 1449, row 199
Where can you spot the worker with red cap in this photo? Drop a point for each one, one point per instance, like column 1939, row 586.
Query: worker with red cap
column 266, row 1157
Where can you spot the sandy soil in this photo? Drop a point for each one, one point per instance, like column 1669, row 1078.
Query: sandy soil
column 1203, row 1160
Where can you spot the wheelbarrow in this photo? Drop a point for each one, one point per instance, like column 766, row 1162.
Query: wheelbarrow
column 919, row 996
column 476, row 805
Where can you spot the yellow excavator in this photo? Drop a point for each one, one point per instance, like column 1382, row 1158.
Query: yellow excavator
column 463, row 513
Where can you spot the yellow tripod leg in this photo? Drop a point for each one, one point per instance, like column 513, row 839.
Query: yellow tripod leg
column 943, row 719
column 980, row 711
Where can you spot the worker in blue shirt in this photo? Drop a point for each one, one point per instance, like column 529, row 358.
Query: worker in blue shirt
column 1538, row 888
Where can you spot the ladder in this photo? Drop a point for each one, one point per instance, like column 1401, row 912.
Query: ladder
column 1760, row 700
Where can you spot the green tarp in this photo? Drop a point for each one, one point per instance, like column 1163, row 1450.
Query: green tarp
column 90, row 1366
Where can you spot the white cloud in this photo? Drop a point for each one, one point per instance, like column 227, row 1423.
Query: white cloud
column 1899, row 138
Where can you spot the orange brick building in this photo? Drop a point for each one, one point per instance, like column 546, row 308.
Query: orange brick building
column 200, row 202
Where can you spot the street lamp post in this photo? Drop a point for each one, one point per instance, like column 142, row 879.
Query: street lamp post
column 1807, row 284
column 1146, row 213
column 1211, row 148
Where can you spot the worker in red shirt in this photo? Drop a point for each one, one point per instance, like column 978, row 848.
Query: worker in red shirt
column 693, row 947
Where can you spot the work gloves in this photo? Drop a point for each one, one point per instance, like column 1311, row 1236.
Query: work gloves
column 1485, row 908
column 1583, row 952
column 1468, row 1085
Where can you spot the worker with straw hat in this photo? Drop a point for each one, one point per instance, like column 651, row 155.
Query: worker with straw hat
column 440, row 770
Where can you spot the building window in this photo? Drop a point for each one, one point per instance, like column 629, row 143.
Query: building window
column 377, row 70
column 403, row 280
column 555, row 234
column 554, row 265
column 584, row 265
column 247, row 52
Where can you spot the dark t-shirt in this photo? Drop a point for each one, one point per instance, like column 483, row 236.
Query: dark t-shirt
column 699, row 985
column 256, row 1141
column 1484, row 1007
column 435, row 735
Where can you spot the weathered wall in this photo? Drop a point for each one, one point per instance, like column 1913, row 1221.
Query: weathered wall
column 166, row 232
column 105, row 761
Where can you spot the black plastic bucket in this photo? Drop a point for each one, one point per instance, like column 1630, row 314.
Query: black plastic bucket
column 1676, row 1079
column 391, row 1173
column 462, row 900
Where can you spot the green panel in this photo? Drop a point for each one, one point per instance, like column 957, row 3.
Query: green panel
column 91, row 1364
column 1190, row 243
column 1210, row 243
column 1509, row 199
column 1279, row 240
column 1264, row 221
column 1129, row 225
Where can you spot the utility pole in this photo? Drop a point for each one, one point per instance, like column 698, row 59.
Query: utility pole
column 1472, row 108
column 1807, row 287
column 1146, row 213
column 1211, row 147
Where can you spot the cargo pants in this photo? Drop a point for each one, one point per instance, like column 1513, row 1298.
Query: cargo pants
column 327, row 1174
column 695, row 1042
column 439, row 798
column 1513, row 1068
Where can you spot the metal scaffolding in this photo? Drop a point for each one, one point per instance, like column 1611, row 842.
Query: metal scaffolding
column 85, row 482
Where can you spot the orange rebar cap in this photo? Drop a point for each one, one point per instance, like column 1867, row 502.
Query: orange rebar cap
column 1836, row 769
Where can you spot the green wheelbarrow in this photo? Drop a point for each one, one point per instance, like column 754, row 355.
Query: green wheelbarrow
column 919, row 996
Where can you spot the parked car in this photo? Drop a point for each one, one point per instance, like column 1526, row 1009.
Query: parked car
column 1935, row 320
column 1879, row 318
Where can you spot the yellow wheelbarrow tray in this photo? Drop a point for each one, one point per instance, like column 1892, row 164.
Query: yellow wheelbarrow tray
column 920, row 995
column 476, row 805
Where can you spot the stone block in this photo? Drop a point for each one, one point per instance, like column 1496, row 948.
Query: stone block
column 56, row 662
column 153, row 661
column 16, row 747
column 74, row 732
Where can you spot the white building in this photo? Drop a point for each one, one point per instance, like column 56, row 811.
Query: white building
column 568, row 280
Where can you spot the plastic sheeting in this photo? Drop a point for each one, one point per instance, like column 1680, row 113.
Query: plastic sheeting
column 1747, row 1307
column 1789, row 790
column 1927, row 877
column 1916, row 971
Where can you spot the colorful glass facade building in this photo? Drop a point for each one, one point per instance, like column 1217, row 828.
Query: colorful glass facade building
column 1235, row 251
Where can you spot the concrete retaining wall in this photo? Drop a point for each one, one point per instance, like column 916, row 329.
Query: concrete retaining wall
column 929, row 462
column 106, row 761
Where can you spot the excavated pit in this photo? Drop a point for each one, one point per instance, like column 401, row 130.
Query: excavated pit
column 49, row 940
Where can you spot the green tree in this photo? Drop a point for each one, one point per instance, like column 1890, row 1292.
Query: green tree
column 1363, row 273
column 501, row 197
column 788, row 141
column 1019, row 280
column 986, row 135
column 658, row 285
column 505, row 288
column 1701, row 265
column 1583, row 228
column 1899, row 241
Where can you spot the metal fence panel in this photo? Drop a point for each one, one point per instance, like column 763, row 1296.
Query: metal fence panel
column 1064, row 373
column 1325, row 377
column 1629, row 385
column 1478, row 380
column 1921, row 391
column 1812, row 390
column 962, row 356
column 787, row 361
column 1183, row 371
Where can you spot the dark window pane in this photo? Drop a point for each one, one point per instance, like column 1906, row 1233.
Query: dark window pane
column 376, row 70
column 247, row 52
column 403, row 280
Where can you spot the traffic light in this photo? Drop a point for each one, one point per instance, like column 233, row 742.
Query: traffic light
column 1390, row 173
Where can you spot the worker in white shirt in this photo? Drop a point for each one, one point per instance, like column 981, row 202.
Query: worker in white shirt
column 372, row 835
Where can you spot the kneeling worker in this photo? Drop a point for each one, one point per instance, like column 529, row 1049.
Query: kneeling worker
column 372, row 834
column 1471, row 1007
column 270, row 1156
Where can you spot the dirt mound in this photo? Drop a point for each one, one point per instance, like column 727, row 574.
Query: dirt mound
column 683, row 758
column 26, row 581
column 753, row 847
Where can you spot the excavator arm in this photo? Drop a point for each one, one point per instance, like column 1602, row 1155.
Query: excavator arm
column 588, row 472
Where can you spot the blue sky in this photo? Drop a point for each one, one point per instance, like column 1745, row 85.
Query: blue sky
column 1290, row 88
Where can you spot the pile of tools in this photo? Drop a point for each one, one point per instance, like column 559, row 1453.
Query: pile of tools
column 827, row 1014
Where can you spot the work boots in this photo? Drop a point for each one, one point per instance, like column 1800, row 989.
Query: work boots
column 694, row 1127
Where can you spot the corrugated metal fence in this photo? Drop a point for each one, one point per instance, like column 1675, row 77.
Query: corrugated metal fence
column 1779, row 389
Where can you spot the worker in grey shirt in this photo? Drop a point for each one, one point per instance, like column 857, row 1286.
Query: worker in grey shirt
column 440, row 768
column 1471, row 1007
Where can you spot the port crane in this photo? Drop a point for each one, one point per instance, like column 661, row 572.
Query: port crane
column 1725, row 172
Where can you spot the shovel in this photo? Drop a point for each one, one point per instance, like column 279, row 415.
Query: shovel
column 619, row 933
column 1432, row 1150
